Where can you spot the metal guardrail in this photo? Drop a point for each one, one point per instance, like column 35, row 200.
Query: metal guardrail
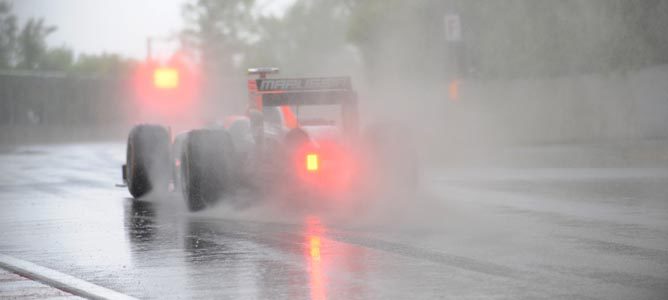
column 58, row 98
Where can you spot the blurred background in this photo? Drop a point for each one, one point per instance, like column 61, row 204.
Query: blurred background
column 512, row 81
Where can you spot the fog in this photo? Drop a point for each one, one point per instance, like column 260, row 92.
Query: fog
column 509, row 83
column 529, row 73
column 506, row 148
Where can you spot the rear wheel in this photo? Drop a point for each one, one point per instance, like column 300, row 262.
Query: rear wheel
column 148, row 164
column 207, row 167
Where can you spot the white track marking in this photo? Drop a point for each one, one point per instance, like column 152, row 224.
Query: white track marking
column 59, row 280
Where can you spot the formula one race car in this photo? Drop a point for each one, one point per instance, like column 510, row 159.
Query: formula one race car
column 283, row 143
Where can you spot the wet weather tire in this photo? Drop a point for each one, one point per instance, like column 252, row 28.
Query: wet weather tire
column 207, row 167
column 148, row 160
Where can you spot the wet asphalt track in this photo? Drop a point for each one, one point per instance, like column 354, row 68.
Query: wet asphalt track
column 470, row 234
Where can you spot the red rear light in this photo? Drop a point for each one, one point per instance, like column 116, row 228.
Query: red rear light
column 328, row 167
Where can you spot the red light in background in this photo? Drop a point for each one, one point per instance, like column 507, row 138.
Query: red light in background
column 453, row 90
column 166, row 92
column 166, row 78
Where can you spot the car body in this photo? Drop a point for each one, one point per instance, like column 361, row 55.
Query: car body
column 275, row 148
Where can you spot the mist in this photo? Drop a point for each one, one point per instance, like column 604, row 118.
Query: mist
column 529, row 73
column 505, row 149
column 523, row 83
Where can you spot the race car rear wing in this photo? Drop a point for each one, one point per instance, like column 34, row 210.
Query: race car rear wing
column 307, row 91
column 301, row 91
column 303, row 84
column 308, row 98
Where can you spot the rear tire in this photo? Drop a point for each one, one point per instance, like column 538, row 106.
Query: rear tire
column 207, row 167
column 148, row 160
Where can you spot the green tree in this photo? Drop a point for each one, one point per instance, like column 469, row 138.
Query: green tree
column 220, row 30
column 310, row 37
column 233, row 33
column 8, row 30
column 510, row 38
column 32, row 43
column 57, row 59
column 103, row 64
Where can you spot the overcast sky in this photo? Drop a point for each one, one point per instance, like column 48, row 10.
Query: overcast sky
column 118, row 26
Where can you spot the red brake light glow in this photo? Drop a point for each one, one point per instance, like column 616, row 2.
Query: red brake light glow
column 165, row 92
column 327, row 167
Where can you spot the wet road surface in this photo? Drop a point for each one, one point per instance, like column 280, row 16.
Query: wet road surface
column 13, row 286
column 470, row 233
